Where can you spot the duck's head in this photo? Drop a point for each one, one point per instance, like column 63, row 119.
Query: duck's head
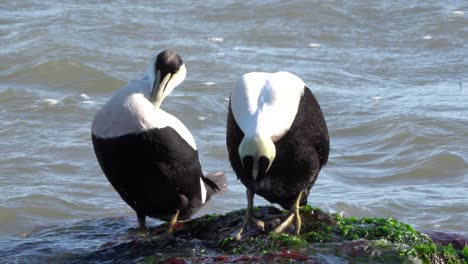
column 165, row 72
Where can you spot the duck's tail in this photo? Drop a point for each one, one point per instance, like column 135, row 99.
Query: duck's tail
column 215, row 183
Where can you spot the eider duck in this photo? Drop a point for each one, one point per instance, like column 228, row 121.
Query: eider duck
column 147, row 154
column 277, row 141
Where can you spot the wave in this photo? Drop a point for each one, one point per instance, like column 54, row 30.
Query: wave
column 407, row 149
column 63, row 76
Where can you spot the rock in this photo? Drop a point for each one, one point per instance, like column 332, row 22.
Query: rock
column 325, row 238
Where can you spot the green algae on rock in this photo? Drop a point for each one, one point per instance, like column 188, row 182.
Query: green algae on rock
column 325, row 238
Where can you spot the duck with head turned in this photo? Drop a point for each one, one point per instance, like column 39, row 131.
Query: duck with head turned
column 147, row 154
column 277, row 142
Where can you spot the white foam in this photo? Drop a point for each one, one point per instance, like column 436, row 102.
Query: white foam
column 90, row 102
column 209, row 83
column 216, row 39
column 427, row 37
column 314, row 45
column 458, row 13
column 376, row 98
column 50, row 101
column 201, row 118
column 84, row 96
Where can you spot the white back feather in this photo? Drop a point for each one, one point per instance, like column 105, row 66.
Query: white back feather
column 266, row 104
column 129, row 111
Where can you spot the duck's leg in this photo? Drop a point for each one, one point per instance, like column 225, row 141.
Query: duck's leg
column 141, row 221
column 173, row 221
column 294, row 211
column 249, row 216
column 142, row 229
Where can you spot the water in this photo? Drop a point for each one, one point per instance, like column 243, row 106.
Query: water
column 391, row 78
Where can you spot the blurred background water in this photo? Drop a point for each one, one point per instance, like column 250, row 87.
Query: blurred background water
column 391, row 77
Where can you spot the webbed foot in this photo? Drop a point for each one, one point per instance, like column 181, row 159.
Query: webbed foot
column 247, row 224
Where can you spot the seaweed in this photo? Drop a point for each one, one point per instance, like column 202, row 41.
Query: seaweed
column 209, row 239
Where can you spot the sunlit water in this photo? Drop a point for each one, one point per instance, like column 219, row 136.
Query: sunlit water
column 391, row 77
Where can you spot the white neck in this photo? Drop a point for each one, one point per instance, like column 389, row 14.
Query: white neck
column 129, row 111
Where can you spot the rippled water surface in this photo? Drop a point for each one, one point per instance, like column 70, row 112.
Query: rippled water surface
column 391, row 77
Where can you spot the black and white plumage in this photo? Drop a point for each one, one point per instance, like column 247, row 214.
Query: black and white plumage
column 277, row 140
column 147, row 154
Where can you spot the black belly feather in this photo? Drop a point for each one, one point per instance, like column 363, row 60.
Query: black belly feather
column 155, row 172
column 300, row 154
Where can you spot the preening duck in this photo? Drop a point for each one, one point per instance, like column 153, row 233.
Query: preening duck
column 277, row 141
column 147, row 154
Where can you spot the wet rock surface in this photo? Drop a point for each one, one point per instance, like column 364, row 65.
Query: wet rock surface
column 325, row 238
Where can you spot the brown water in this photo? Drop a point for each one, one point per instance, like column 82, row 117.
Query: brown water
column 391, row 78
